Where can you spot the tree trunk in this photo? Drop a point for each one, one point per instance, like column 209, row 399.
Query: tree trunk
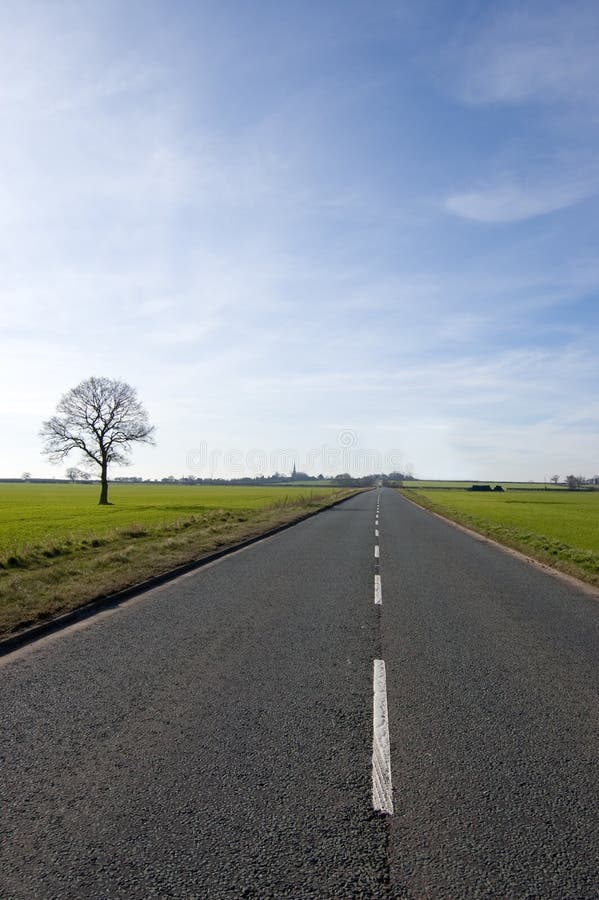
column 103, row 501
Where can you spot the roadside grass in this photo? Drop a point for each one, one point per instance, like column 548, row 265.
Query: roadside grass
column 64, row 568
column 559, row 528
column 36, row 513
column 507, row 485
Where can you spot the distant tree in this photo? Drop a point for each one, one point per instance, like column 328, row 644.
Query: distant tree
column 73, row 473
column 554, row 479
column 101, row 418
column 343, row 480
column 572, row 481
column 397, row 476
column 26, row 476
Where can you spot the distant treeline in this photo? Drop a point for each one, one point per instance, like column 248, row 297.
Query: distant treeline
column 298, row 479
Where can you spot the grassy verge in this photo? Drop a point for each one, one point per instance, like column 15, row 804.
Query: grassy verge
column 57, row 575
column 560, row 529
column 418, row 484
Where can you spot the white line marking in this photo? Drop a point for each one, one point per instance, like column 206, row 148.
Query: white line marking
column 376, row 532
column 378, row 591
column 376, row 551
column 376, row 521
column 382, row 786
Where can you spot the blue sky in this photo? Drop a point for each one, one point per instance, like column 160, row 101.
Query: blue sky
column 306, row 229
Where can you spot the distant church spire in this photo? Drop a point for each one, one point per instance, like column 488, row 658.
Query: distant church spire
column 293, row 474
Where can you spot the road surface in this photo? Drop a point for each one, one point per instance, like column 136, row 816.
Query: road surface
column 214, row 737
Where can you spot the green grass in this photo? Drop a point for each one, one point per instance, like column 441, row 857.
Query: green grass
column 59, row 549
column 32, row 514
column 507, row 485
column 560, row 528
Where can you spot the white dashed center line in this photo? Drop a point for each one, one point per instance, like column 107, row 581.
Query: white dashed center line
column 378, row 591
column 376, row 551
column 382, row 787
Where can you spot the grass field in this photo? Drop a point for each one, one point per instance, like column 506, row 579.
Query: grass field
column 507, row 485
column 59, row 549
column 560, row 528
column 31, row 514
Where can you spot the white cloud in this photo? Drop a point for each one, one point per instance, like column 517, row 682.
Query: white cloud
column 540, row 52
column 541, row 56
column 514, row 203
column 209, row 236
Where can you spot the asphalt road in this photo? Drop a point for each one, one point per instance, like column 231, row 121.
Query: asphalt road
column 213, row 738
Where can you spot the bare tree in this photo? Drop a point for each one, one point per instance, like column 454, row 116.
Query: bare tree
column 554, row 479
column 102, row 418
column 75, row 474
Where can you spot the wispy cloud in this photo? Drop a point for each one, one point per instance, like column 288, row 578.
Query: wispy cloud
column 533, row 52
column 541, row 58
column 514, row 203
column 252, row 237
